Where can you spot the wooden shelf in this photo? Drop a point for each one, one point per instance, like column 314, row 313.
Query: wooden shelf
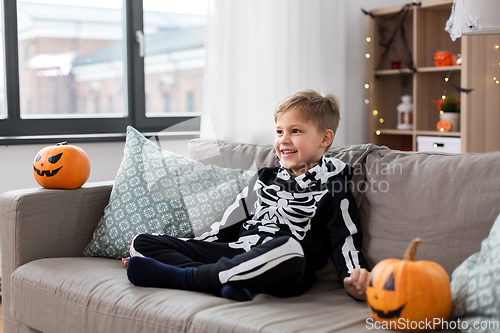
column 395, row 132
column 439, row 69
column 418, row 70
column 410, row 132
column 437, row 133
column 394, row 71
column 425, row 35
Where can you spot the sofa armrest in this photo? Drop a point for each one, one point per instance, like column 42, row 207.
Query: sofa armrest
column 42, row 223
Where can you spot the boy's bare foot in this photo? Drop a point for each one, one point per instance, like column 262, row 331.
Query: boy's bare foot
column 125, row 261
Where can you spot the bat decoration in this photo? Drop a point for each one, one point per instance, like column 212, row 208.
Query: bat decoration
column 460, row 89
column 367, row 13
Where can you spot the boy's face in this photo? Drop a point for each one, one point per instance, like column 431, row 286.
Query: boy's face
column 299, row 144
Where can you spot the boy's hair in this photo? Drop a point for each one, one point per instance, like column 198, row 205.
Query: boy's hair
column 321, row 110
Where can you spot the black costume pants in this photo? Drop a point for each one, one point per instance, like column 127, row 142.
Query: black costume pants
column 276, row 267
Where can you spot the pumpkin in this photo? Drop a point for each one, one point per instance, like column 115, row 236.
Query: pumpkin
column 443, row 58
column 403, row 294
column 61, row 166
column 443, row 126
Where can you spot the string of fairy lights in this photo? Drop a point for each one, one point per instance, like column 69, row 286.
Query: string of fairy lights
column 497, row 78
column 367, row 87
column 458, row 61
column 367, row 56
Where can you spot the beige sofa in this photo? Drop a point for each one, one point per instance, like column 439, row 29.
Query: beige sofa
column 451, row 201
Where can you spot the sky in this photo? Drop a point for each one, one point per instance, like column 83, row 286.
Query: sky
column 176, row 6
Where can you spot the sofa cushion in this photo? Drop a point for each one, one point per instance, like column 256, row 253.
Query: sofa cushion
column 475, row 284
column 325, row 308
column 94, row 295
column 157, row 191
column 450, row 201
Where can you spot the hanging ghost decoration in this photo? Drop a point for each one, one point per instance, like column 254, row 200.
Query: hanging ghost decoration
column 468, row 16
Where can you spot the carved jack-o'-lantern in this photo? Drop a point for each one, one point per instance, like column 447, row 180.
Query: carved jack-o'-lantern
column 402, row 292
column 61, row 166
column 443, row 58
column 443, row 126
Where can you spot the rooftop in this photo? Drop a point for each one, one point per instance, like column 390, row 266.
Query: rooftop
column 31, row 11
column 165, row 32
column 165, row 41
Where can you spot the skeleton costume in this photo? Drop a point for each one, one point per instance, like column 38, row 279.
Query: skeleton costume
column 278, row 231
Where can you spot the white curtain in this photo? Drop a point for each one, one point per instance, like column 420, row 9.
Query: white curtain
column 258, row 51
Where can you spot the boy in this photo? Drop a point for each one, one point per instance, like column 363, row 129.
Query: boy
column 280, row 229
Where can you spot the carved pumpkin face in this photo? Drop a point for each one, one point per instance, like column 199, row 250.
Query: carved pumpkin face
column 443, row 126
column 443, row 58
column 61, row 166
column 399, row 291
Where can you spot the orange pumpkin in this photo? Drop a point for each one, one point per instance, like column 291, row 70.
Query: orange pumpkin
column 403, row 294
column 443, row 58
column 61, row 166
column 443, row 126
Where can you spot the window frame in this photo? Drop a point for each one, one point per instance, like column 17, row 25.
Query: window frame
column 15, row 130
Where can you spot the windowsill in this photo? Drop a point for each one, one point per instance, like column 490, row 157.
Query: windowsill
column 105, row 137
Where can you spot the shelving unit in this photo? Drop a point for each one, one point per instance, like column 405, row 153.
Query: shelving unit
column 425, row 35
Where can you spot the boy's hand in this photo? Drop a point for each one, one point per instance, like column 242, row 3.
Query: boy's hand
column 355, row 284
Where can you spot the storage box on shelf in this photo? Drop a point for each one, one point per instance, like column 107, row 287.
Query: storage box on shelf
column 419, row 77
column 438, row 144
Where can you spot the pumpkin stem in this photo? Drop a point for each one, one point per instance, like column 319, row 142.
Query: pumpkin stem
column 61, row 143
column 411, row 251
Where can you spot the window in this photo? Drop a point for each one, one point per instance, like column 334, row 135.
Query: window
column 174, row 58
column 86, row 69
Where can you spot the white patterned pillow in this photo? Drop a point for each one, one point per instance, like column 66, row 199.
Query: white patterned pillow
column 157, row 191
column 475, row 285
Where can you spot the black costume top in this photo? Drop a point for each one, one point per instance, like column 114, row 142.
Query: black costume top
column 316, row 208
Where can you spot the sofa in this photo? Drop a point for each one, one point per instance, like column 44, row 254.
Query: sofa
column 448, row 200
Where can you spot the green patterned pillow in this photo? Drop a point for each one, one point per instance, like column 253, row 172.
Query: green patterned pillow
column 475, row 286
column 157, row 191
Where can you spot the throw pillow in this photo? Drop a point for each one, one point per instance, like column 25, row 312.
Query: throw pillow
column 157, row 191
column 475, row 285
